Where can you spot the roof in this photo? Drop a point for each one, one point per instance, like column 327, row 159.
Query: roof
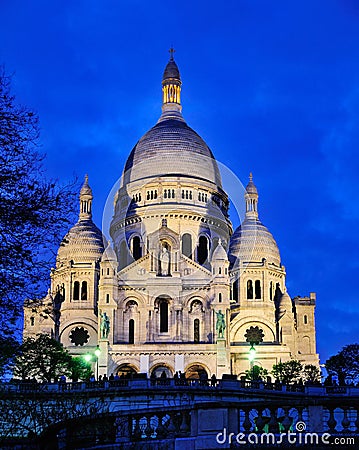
column 83, row 243
column 171, row 147
column 251, row 242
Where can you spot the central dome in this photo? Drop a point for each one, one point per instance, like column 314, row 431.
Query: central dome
column 171, row 147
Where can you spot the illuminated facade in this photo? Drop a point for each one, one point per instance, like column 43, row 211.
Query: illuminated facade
column 174, row 267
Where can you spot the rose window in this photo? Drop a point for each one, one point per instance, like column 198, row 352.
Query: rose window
column 79, row 336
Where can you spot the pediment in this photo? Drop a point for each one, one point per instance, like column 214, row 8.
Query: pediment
column 144, row 269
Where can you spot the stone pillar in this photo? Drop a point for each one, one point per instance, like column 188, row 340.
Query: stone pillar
column 223, row 358
column 315, row 418
column 178, row 318
column 145, row 364
column 103, row 358
column 179, row 363
column 150, row 325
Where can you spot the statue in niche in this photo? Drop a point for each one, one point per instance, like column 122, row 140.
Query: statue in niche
column 165, row 261
column 220, row 324
column 196, row 307
column 104, row 325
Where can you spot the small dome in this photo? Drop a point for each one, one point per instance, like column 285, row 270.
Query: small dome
column 109, row 254
column 251, row 187
column 171, row 71
column 219, row 253
column 251, row 242
column 285, row 305
column 83, row 243
column 86, row 190
column 285, row 300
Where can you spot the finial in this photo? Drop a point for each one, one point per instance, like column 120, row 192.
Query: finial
column 250, row 176
column 171, row 51
column 219, row 241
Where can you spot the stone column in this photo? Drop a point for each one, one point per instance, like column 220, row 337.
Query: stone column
column 145, row 364
column 223, row 363
column 179, row 363
column 103, row 358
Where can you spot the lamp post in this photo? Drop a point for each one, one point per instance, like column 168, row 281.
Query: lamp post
column 251, row 357
column 95, row 356
column 254, row 335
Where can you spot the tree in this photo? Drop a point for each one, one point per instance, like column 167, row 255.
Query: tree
column 311, row 374
column 34, row 212
column 9, row 347
column 287, row 372
column 80, row 369
column 28, row 415
column 257, row 373
column 43, row 358
column 345, row 364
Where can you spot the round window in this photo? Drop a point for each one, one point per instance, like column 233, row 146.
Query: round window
column 79, row 336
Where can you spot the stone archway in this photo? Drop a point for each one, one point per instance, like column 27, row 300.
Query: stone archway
column 126, row 370
column 156, row 371
column 196, row 372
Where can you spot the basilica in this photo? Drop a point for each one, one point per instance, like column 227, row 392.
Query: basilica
column 176, row 289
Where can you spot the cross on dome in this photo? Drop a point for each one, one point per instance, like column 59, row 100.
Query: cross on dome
column 172, row 52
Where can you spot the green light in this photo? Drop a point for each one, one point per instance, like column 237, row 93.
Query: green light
column 252, row 353
column 88, row 357
column 97, row 352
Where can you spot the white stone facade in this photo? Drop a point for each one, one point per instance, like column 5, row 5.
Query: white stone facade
column 174, row 265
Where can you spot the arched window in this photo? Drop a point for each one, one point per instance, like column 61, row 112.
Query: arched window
column 84, row 290
column 271, row 290
column 305, row 319
column 108, row 271
column 249, row 290
column 187, row 245
column 32, row 321
column 165, row 193
column 235, row 290
column 136, row 248
column 123, row 254
column 196, row 332
column 220, row 298
column 131, row 331
column 107, row 298
column 257, row 288
column 76, row 290
column 202, row 250
column 163, row 317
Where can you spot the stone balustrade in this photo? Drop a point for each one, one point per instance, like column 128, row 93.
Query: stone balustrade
column 175, row 413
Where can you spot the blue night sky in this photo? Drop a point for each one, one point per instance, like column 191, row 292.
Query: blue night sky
column 272, row 87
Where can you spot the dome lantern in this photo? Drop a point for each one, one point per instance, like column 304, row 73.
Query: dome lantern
column 251, row 197
column 86, row 198
column 171, row 89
